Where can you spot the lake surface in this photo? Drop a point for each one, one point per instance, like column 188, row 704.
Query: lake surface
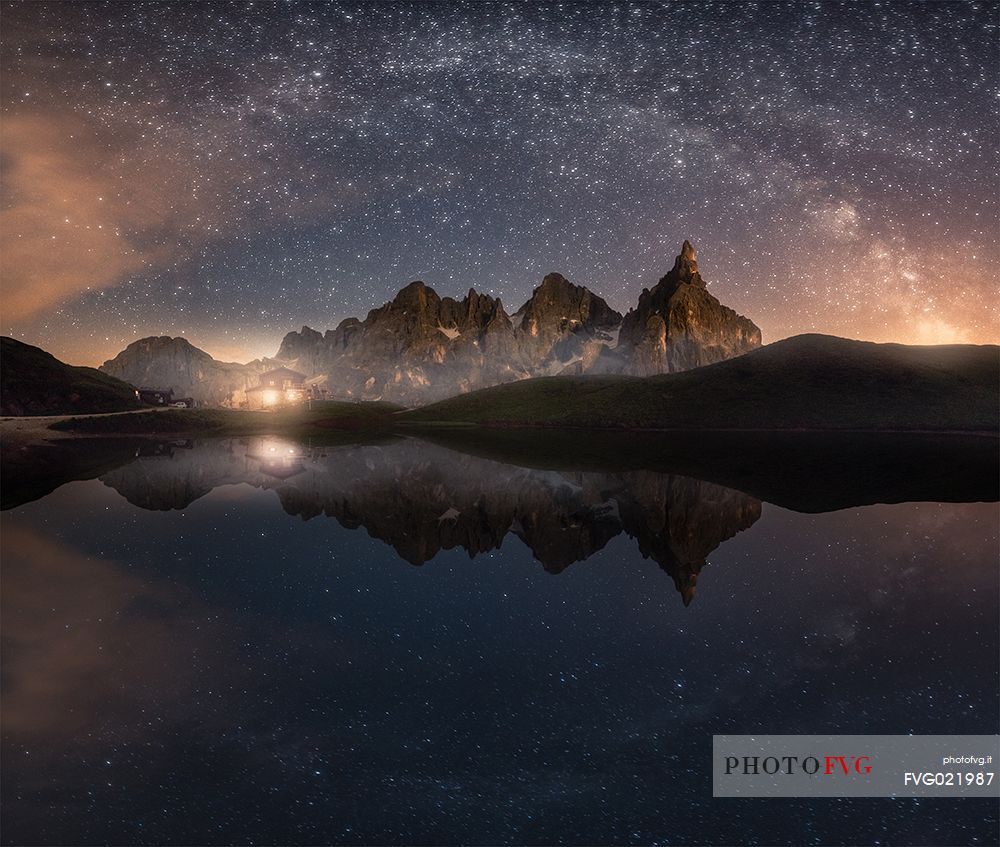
column 257, row 641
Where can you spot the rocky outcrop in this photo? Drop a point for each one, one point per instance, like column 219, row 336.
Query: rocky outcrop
column 176, row 364
column 416, row 347
column 678, row 325
column 421, row 347
column 563, row 324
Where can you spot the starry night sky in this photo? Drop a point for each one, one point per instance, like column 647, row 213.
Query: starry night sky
column 233, row 171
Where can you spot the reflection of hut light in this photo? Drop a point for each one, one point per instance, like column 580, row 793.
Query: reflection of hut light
column 275, row 447
column 277, row 457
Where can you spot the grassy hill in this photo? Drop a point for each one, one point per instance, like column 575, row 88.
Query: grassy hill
column 33, row 382
column 812, row 382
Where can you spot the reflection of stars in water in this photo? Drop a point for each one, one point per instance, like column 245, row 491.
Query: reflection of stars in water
column 312, row 682
column 254, row 168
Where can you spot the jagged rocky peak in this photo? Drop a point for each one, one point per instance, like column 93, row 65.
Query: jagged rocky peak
column 419, row 305
column 678, row 325
column 557, row 305
column 414, row 347
column 310, row 333
column 416, row 295
column 479, row 310
column 295, row 344
column 685, row 268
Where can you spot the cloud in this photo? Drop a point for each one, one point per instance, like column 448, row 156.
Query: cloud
column 64, row 218
column 87, row 206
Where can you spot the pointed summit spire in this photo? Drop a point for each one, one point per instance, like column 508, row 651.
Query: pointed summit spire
column 686, row 266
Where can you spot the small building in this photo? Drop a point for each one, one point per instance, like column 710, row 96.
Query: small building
column 280, row 387
column 156, row 396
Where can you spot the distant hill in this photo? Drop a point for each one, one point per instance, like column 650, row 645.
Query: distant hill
column 176, row 364
column 812, row 382
column 33, row 382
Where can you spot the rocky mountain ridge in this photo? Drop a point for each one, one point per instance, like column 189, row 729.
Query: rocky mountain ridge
column 421, row 347
column 678, row 325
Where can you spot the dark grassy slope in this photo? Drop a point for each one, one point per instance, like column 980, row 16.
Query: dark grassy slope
column 813, row 382
column 33, row 382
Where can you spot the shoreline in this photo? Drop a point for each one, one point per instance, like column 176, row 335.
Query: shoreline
column 497, row 427
column 28, row 431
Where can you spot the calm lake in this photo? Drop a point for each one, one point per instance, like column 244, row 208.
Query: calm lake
column 260, row 641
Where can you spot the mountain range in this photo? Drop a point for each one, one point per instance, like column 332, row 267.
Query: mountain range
column 421, row 347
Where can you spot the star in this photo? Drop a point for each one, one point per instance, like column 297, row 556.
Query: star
column 255, row 169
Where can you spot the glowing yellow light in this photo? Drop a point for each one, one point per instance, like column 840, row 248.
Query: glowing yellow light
column 275, row 449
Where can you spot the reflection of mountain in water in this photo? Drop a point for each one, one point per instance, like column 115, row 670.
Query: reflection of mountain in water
column 420, row 499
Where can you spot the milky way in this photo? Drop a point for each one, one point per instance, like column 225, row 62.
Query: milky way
column 231, row 172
